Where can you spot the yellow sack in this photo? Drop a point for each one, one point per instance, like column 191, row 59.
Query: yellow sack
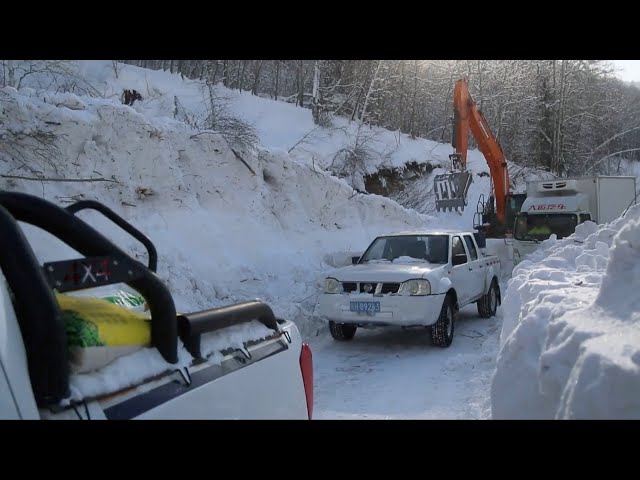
column 99, row 331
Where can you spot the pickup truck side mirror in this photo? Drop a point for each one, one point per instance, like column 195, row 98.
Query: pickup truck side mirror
column 459, row 259
column 354, row 260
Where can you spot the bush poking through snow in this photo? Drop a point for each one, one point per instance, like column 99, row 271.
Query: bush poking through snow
column 33, row 147
column 144, row 192
column 238, row 133
column 128, row 97
column 325, row 119
column 52, row 75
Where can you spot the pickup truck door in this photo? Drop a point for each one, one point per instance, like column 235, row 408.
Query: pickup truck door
column 460, row 274
column 477, row 270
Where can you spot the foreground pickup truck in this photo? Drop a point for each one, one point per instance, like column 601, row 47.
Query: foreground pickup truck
column 187, row 371
column 412, row 279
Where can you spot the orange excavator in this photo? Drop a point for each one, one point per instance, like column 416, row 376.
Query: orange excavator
column 495, row 216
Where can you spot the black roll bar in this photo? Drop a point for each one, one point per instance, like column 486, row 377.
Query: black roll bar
column 63, row 224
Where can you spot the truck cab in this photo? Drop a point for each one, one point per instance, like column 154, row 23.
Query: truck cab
column 412, row 279
column 556, row 207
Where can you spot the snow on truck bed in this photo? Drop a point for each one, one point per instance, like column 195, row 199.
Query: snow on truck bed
column 136, row 367
column 570, row 341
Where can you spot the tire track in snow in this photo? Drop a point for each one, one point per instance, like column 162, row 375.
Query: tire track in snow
column 400, row 374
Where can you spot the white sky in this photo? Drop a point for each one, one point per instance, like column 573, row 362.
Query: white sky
column 629, row 70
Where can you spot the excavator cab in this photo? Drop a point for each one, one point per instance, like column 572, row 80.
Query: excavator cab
column 451, row 188
column 486, row 220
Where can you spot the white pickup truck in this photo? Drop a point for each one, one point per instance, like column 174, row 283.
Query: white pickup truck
column 410, row 279
column 187, row 371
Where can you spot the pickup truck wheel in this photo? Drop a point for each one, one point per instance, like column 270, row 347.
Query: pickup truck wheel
column 488, row 304
column 342, row 331
column 442, row 330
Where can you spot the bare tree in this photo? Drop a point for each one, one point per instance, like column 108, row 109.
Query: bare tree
column 256, row 74
column 277, row 74
column 553, row 114
column 300, row 101
column 370, row 90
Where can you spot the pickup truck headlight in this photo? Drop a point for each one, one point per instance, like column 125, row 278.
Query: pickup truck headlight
column 415, row 287
column 331, row 285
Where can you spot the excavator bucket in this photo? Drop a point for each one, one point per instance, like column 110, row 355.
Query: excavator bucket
column 451, row 190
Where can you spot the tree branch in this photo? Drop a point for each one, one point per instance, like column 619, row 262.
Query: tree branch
column 243, row 161
column 303, row 138
column 611, row 155
column 20, row 177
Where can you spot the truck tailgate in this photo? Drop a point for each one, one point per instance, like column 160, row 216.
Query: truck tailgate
column 265, row 384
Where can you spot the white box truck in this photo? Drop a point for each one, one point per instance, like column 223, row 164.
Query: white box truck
column 557, row 206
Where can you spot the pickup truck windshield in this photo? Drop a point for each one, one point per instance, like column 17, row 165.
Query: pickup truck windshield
column 408, row 248
column 539, row 227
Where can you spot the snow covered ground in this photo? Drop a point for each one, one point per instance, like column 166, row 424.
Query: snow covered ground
column 570, row 341
column 399, row 374
column 270, row 229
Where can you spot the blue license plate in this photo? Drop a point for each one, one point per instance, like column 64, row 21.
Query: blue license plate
column 365, row 307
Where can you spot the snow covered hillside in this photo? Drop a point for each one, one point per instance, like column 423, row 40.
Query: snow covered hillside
column 225, row 231
column 570, row 341
column 281, row 126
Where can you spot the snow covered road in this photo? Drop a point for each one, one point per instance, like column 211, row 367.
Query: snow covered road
column 399, row 374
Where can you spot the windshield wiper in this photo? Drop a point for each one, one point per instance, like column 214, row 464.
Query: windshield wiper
column 529, row 237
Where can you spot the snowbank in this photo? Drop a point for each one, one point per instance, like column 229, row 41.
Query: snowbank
column 570, row 341
column 502, row 249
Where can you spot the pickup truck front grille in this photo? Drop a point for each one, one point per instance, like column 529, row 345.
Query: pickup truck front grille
column 390, row 288
column 349, row 287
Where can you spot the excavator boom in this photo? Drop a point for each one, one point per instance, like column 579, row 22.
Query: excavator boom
column 467, row 117
column 461, row 110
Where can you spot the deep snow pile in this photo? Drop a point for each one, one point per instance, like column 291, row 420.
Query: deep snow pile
column 570, row 341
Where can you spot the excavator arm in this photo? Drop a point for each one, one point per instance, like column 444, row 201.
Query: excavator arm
column 467, row 117
column 461, row 113
column 487, row 144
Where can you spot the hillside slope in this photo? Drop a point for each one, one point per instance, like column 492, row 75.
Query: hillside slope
column 225, row 231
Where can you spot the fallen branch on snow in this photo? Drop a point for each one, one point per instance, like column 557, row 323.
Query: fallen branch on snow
column 43, row 179
column 242, row 160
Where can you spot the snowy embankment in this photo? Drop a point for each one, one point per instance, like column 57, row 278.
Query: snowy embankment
column 570, row 341
column 225, row 231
